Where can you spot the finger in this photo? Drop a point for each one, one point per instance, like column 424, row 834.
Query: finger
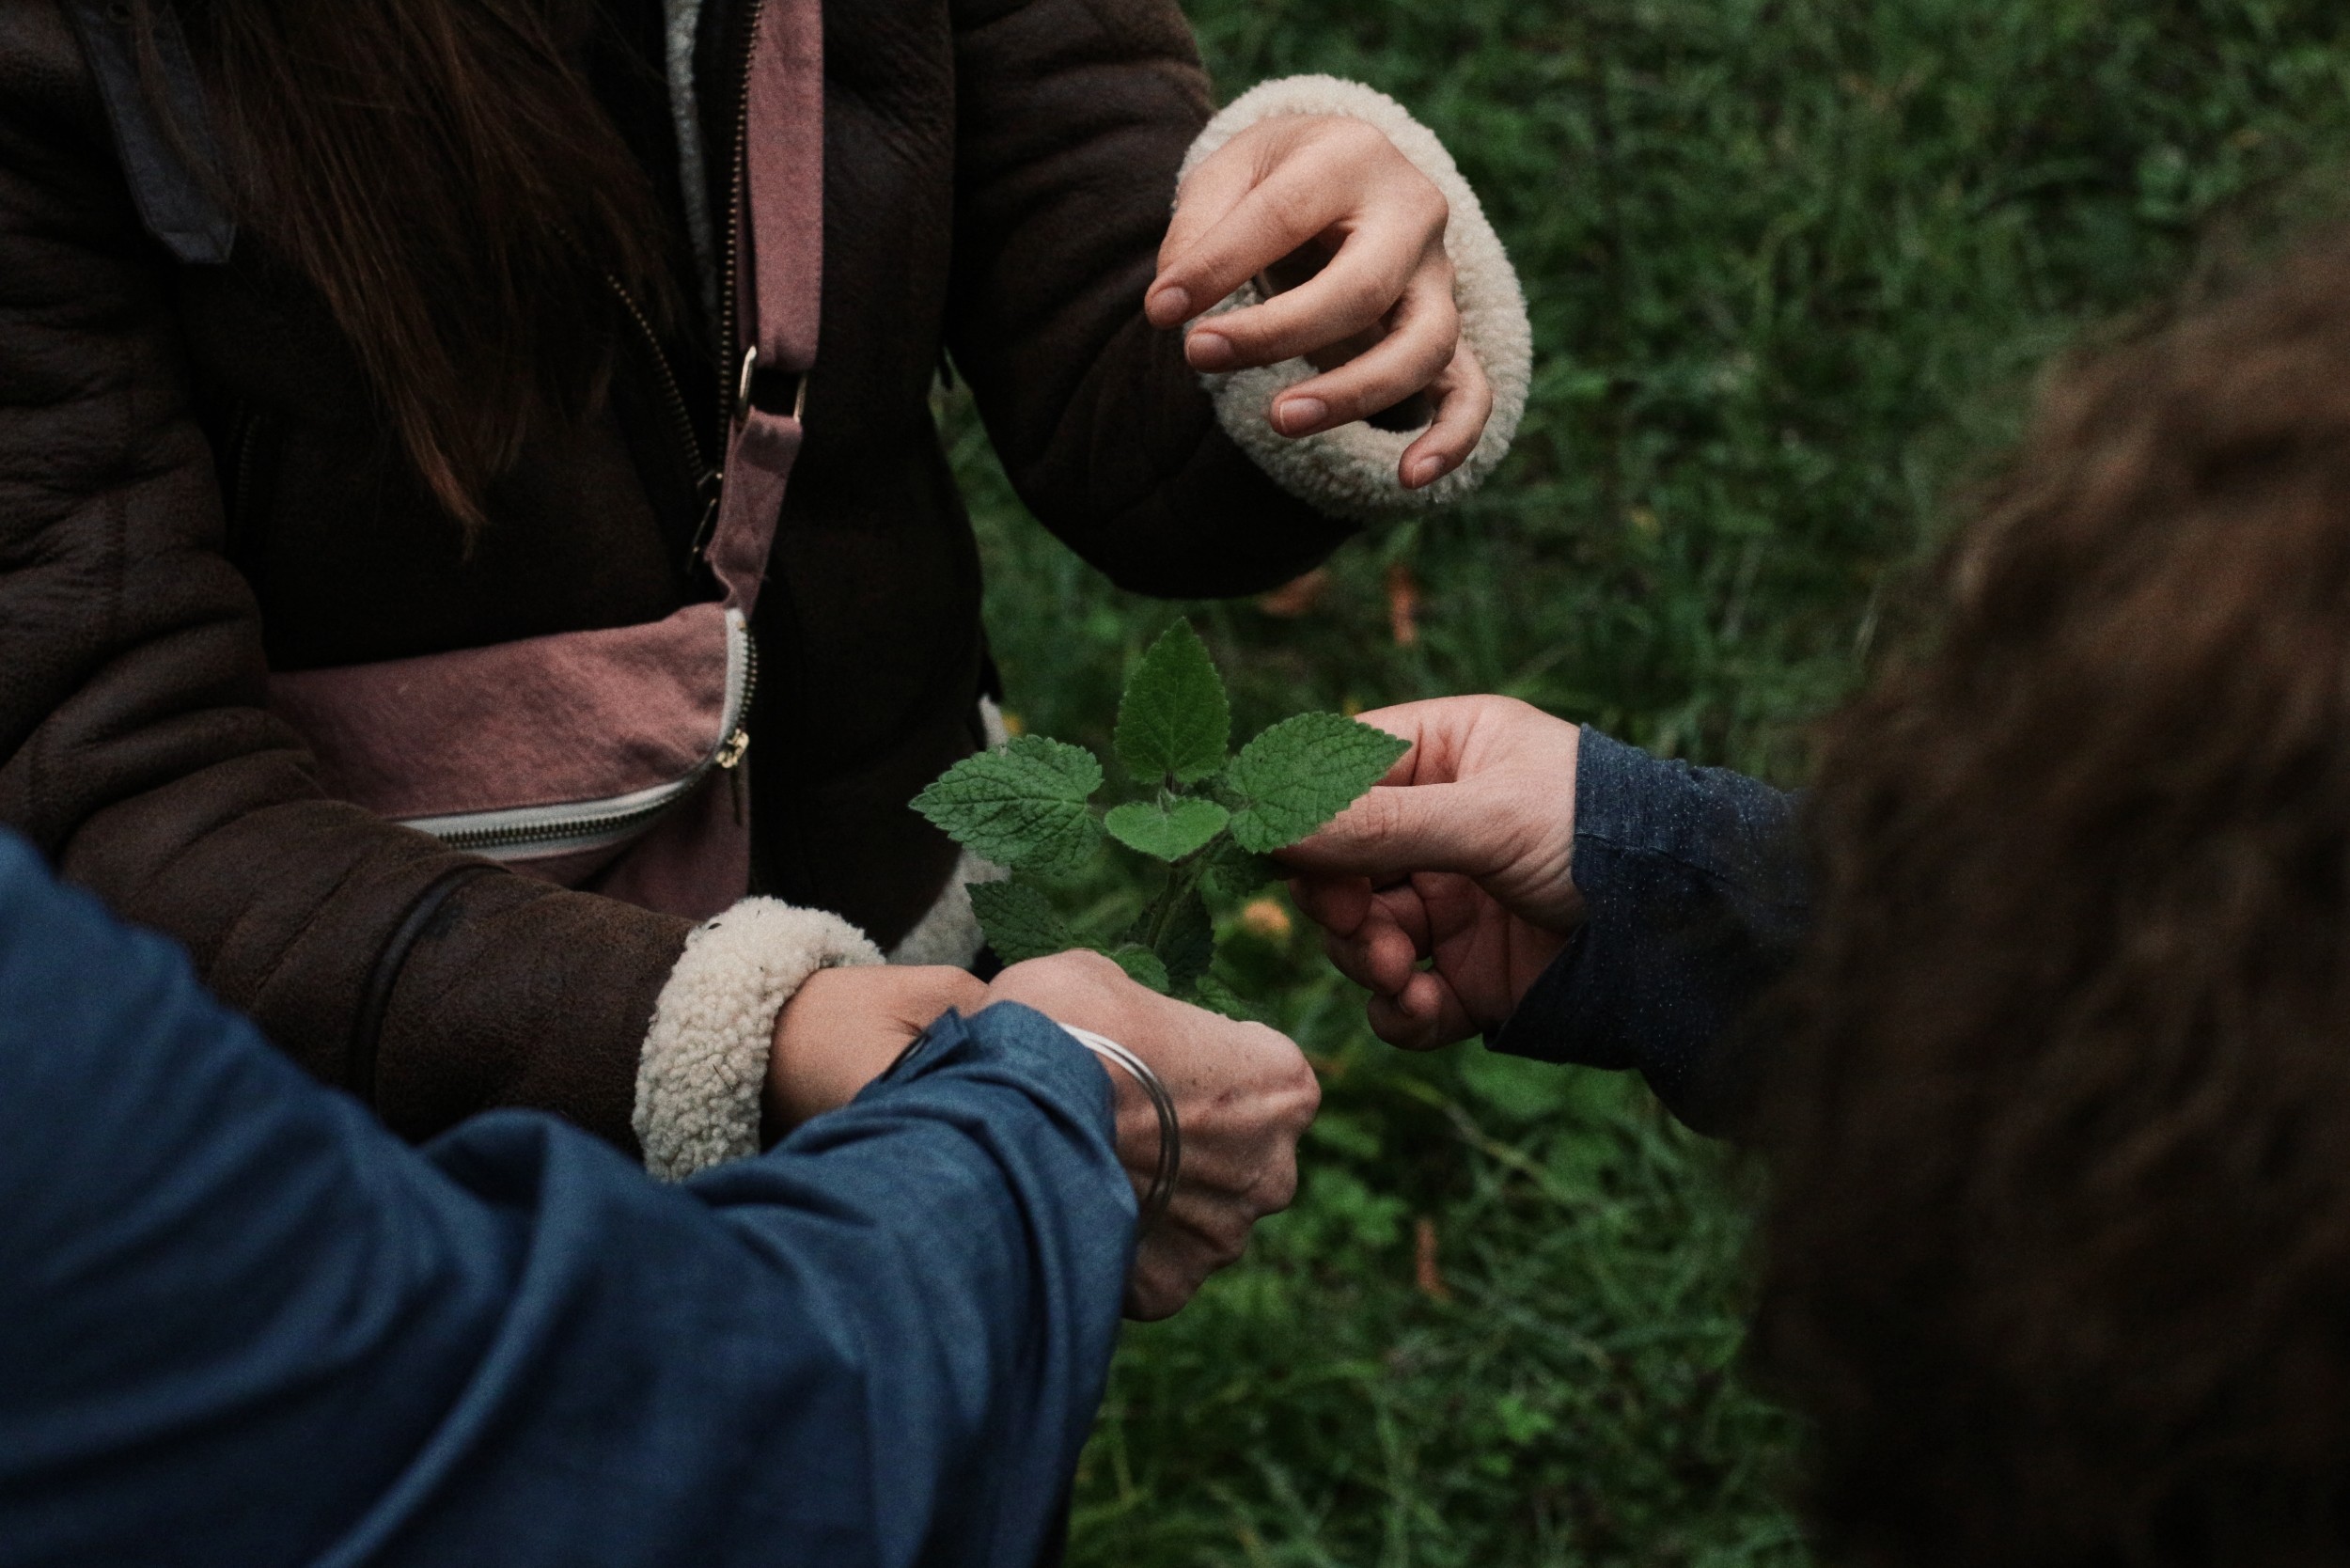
column 1426, row 1016
column 1464, row 400
column 1379, row 961
column 1335, row 904
column 1395, row 830
column 1362, row 283
column 1275, row 217
column 1423, row 337
column 1435, row 729
column 1379, row 957
column 1405, row 906
column 1220, row 183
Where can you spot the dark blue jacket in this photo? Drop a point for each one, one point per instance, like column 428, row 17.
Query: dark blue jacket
column 1696, row 897
column 242, row 1325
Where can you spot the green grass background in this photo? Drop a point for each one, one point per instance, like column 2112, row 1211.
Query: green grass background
column 1791, row 266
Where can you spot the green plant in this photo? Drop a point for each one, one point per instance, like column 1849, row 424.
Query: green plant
column 1208, row 821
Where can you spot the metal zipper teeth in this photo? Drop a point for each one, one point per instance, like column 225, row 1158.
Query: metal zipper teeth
column 750, row 681
column 587, row 830
column 729, row 359
column 689, row 440
column 240, row 519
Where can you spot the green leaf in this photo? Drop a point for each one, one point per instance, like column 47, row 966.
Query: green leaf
column 1303, row 772
column 1181, row 827
column 1020, row 921
column 1174, row 721
column 1187, row 946
column 1216, row 996
column 1233, row 873
column 1143, row 966
column 1022, row 805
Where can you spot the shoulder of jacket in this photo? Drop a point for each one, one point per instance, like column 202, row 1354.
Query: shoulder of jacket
column 75, row 64
column 43, row 70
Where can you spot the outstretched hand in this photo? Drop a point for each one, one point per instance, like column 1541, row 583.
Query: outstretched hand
column 1327, row 210
column 1460, row 859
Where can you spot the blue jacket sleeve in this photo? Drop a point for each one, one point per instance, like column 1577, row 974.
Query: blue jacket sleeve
column 242, row 1325
column 1695, row 896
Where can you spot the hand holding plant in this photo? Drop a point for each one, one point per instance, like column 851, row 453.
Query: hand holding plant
column 1208, row 818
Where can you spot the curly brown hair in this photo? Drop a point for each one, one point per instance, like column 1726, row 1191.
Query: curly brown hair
column 2058, row 1251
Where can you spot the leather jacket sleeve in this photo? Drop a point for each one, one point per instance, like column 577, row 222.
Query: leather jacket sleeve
column 1073, row 116
column 136, row 748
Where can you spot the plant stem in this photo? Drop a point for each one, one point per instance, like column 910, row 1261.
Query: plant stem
column 1183, row 880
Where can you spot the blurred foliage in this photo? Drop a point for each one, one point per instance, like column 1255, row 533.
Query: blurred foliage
column 1792, row 265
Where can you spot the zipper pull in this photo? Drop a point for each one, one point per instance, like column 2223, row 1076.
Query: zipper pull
column 713, row 488
column 730, row 760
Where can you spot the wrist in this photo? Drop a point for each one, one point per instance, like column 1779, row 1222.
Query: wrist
column 845, row 1028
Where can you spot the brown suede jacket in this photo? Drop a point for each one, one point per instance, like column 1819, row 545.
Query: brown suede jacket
column 195, row 487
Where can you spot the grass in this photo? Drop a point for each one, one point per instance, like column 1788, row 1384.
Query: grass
column 1792, row 264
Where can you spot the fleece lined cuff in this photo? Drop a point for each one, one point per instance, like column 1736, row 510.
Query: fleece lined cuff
column 950, row 932
column 1351, row 471
column 700, row 1077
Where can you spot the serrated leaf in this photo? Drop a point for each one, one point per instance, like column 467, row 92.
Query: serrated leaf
column 1143, row 966
column 1187, row 946
column 1020, row 921
column 1022, row 806
column 1183, row 827
column 1303, row 772
column 1174, row 721
column 1233, row 873
column 1216, row 996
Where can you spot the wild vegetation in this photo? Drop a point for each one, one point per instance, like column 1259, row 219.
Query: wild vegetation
column 1792, row 265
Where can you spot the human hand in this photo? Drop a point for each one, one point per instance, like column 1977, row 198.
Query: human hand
column 1243, row 1095
column 1462, row 857
column 1328, row 211
column 843, row 1028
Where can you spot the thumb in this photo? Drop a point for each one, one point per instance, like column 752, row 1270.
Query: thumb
column 1395, row 830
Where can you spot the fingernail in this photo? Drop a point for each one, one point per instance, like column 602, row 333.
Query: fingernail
column 1209, row 350
column 1300, row 415
column 1172, row 302
column 1427, row 471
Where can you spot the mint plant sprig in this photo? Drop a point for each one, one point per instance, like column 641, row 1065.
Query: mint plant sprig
column 1208, row 818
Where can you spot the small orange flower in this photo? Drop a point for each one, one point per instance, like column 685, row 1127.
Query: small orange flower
column 1266, row 918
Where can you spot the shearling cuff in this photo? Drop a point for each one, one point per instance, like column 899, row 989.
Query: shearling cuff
column 950, row 933
column 700, row 1077
column 1351, row 471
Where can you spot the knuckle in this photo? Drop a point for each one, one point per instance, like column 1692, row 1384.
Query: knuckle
column 1226, row 1246
column 1295, row 209
column 1431, row 206
column 1358, row 140
column 1366, row 299
column 1375, row 816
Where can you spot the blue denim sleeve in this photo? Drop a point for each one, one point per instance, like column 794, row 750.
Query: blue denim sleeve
column 1696, row 895
column 242, row 1325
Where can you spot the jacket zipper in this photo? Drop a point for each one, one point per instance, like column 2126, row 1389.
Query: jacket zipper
column 706, row 475
column 246, row 434
column 688, row 440
column 730, row 352
column 533, row 831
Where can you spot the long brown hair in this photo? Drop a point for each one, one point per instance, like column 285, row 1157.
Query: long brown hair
column 444, row 177
column 2057, row 1257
